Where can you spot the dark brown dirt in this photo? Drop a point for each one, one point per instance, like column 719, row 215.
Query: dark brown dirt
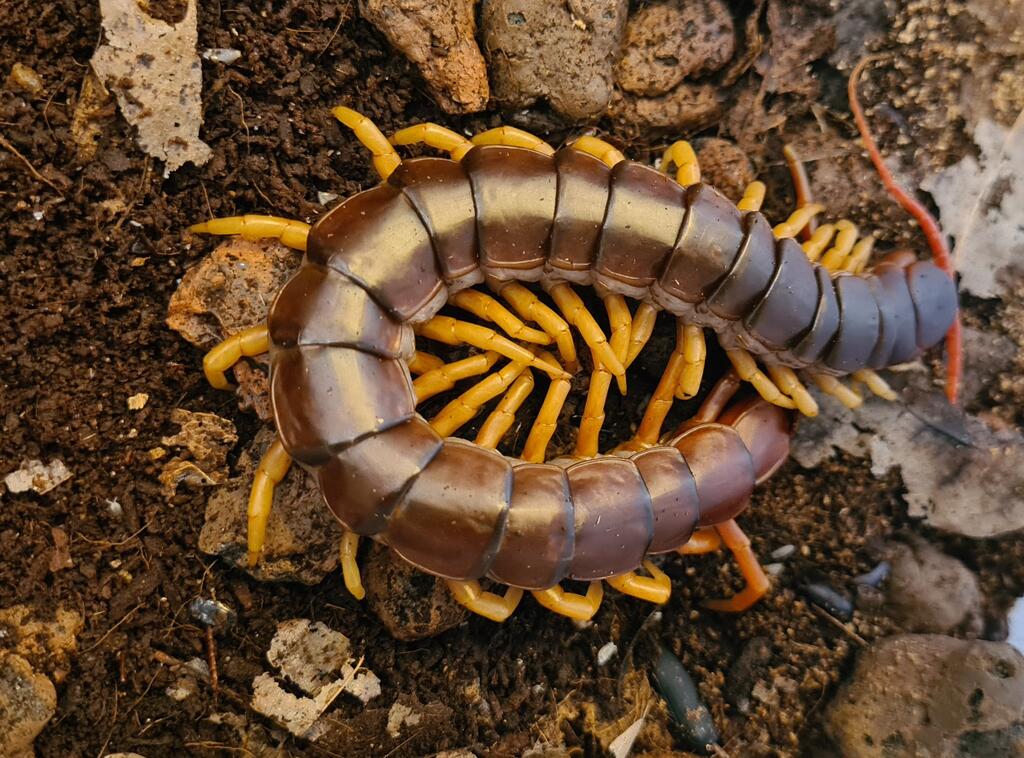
column 81, row 330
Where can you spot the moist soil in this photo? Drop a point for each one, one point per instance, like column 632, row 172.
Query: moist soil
column 90, row 260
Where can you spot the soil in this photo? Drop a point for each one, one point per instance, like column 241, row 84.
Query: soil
column 90, row 258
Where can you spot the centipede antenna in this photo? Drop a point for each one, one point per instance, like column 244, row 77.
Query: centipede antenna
column 929, row 226
column 290, row 232
column 349, row 568
column 248, row 342
column 269, row 473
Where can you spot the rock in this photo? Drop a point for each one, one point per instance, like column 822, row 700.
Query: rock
column 669, row 42
column 411, row 604
column 562, row 52
column 931, row 592
column 929, row 695
column 744, row 673
column 25, row 79
column 36, row 476
column 686, row 108
column 208, row 438
column 27, row 701
column 440, row 39
column 725, row 166
column 302, row 535
column 48, row 645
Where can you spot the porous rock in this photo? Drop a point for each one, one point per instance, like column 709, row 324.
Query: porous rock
column 27, row 701
column 411, row 604
column 440, row 39
column 688, row 107
column 929, row 591
column 302, row 535
column 725, row 166
column 562, row 52
column 666, row 43
column 930, row 695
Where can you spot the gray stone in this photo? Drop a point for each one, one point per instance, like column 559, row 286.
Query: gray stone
column 27, row 701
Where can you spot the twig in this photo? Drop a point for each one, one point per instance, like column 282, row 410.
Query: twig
column 211, row 659
column 839, row 624
column 28, row 164
column 111, row 630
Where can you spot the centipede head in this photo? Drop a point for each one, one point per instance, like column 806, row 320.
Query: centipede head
column 765, row 429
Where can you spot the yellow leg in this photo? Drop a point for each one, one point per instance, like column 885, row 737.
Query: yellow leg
column 748, row 371
column 433, row 135
column 468, row 404
column 349, row 567
column 640, row 332
column 875, row 383
column 422, row 362
column 385, row 159
column 600, row 379
column 815, row 246
column 757, row 582
column 704, row 540
column 753, row 197
column 694, row 354
column 579, row 607
column 860, row 255
column 535, row 449
column 249, row 342
column 484, row 603
column 797, row 220
column 655, row 588
column 486, row 307
column 576, row 313
column 681, row 156
column 501, row 418
column 846, row 236
column 443, row 378
column 660, row 403
column 529, row 306
column 786, row 380
column 512, row 137
column 451, row 331
column 291, row 233
column 603, row 151
column 271, row 470
column 832, row 386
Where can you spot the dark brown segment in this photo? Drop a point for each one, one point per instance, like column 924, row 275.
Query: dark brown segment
column 378, row 239
column 935, row 301
column 641, row 224
column 673, row 496
column 614, row 521
column 327, row 397
column 888, row 328
column 765, row 430
column 514, row 192
column 364, row 482
column 579, row 211
column 441, row 193
column 891, row 285
column 722, row 469
column 813, row 345
column 319, row 306
column 751, row 273
column 539, row 532
column 451, row 520
column 858, row 324
column 706, row 247
column 787, row 309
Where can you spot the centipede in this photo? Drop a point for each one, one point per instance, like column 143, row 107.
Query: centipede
column 506, row 230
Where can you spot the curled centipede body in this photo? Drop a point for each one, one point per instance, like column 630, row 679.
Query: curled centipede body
column 511, row 216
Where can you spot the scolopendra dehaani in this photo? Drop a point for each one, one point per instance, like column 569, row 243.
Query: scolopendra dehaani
column 509, row 212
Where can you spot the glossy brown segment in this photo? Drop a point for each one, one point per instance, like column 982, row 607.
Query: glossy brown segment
column 440, row 192
column 641, row 224
column 674, row 501
column 751, row 273
column 319, row 306
column 722, row 469
column 813, row 345
column 514, row 193
column 363, row 482
column 891, row 285
column 787, row 309
column 537, row 546
column 858, row 324
column 582, row 195
column 706, row 248
column 378, row 239
column 935, row 301
column 765, row 430
column 451, row 520
column 327, row 397
column 614, row 521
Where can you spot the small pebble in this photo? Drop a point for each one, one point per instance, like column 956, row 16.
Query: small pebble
column 782, row 553
column 875, row 576
column 326, row 197
column 774, row 569
column 25, row 79
column 830, row 599
column 114, row 508
column 685, row 707
column 222, row 54
column 211, row 613
column 605, row 654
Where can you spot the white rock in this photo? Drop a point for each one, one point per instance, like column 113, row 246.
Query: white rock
column 38, row 477
column 605, row 654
